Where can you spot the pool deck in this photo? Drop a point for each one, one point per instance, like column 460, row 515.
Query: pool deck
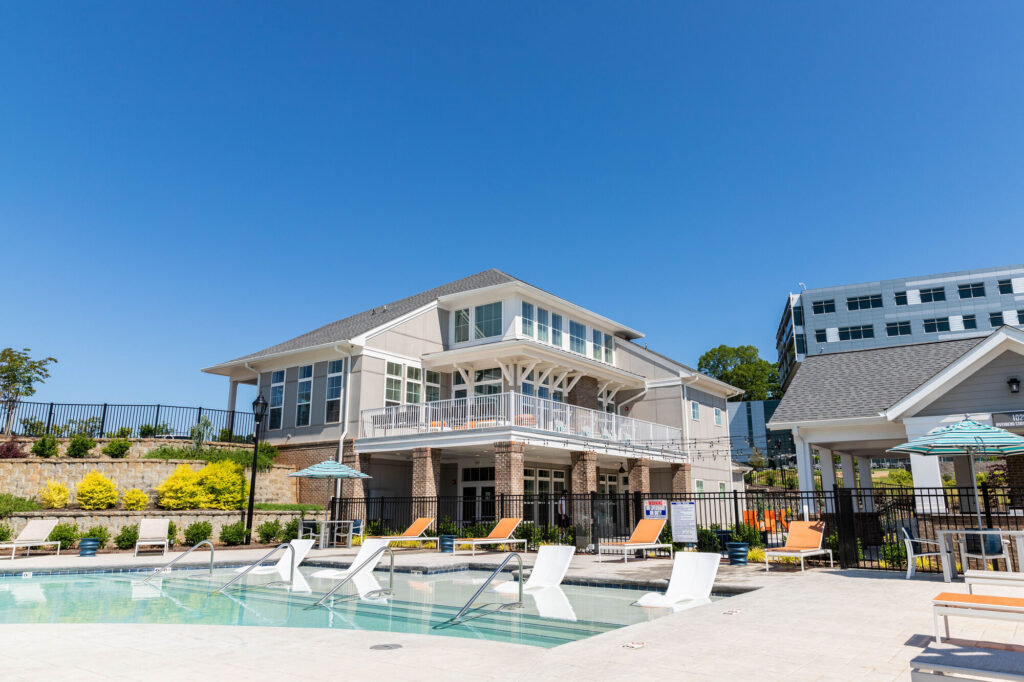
column 820, row 625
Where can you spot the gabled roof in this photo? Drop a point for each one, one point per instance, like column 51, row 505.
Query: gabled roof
column 360, row 323
column 863, row 383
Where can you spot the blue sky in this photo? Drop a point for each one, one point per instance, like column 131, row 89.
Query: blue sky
column 187, row 182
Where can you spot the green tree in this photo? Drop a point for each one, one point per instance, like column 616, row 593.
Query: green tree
column 18, row 375
column 742, row 367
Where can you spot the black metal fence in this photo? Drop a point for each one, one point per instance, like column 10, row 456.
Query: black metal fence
column 863, row 526
column 125, row 421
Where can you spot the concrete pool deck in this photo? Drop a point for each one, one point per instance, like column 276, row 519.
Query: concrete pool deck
column 820, row 625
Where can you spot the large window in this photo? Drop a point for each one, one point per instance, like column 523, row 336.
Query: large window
column 335, row 375
column 609, row 347
column 970, row 321
column 898, row 328
column 822, row 307
column 544, row 390
column 933, row 295
column 556, row 330
column 462, row 325
column 432, row 386
column 577, row 337
column 488, row 320
column 972, row 290
column 821, row 336
column 598, row 344
column 276, row 399
column 864, row 302
column 413, row 385
column 856, row 332
column 996, row 319
column 458, row 385
column 936, row 324
column 1005, row 286
column 393, row 384
column 487, row 381
column 901, row 298
column 801, row 344
column 527, row 319
column 542, row 325
column 304, row 395
column 798, row 315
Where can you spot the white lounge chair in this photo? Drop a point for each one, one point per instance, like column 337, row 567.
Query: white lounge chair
column 693, row 576
column 366, row 550
column 153, row 532
column 301, row 548
column 548, row 570
column 34, row 534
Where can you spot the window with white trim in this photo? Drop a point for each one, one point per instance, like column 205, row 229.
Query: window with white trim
column 718, row 416
column 413, row 385
column 695, row 410
column 556, row 330
column 487, row 381
column 577, row 337
column 542, row 325
column 335, row 376
column 721, row 486
column 276, row 399
column 527, row 319
column 699, row 485
column 304, row 395
column 431, row 386
column 459, row 389
column 597, row 344
column 609, row 347
column 393, row 384
column 488, row 321
column 462, row 325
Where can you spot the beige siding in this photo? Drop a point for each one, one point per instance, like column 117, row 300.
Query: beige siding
column 414, row 337
column 659, row 405
column 632, row 359
column 983, row 391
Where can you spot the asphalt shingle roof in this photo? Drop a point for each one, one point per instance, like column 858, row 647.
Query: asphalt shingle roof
column 360, row 323
column 864, row 383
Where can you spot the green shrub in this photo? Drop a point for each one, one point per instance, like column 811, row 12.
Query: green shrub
column 172, row 533
column 89, row 426
column 135, row 500
column 10, row 504
column 117, row 448
column 269, row 531
column 33, row 428
column 150, row 431
column 748, row 534
column 46, row 446
column 225, row 436
column 101, row 533
column 80, row 445
column 832, row 542
column 123, row 432
column 66, row 533
column 96, row 491
column 11, row 449
column 197, row 532
column 530, row 532
column 894, row 554
column 264, row 458
column 291, row 531
column 273, row 506
column 233, row 533
column 128, row 536
column 900, row 477
column 5, row 532
column 707, row 541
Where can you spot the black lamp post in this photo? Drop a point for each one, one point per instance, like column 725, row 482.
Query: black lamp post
column 259, row 410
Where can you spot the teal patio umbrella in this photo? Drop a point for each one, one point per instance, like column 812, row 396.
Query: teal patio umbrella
column 969, row 438
column 333, row 470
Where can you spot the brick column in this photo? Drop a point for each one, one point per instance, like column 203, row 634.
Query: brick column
column 584, row 472
column 508, row 467
column 681, row 481
column 426, row 472
column 639, row 475
column 354, row 487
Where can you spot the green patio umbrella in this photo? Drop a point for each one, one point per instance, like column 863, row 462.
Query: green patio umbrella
column 333, row 470
column 969, row 438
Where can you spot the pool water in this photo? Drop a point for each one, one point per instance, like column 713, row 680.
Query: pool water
column 423, row 604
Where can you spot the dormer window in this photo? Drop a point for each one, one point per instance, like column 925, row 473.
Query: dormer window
column 527, row 319
column 488, row 320
column 462, row 325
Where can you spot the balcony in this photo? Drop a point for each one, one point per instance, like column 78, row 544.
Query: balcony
column 532, row 419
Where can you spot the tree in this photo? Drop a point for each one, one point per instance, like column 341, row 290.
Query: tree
column 742, row 367
column 18, row 375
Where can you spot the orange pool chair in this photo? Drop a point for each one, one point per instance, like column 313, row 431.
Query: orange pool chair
column 645, row 537
column 804, row 540
column 750, row 519
column 413, row 533
column 501, row 535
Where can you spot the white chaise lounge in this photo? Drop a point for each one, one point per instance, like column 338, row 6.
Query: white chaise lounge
column 693, row 576
column 544, row 583
column 301, row 548
column 366, row 550
column 153, row 532
column 34, row 534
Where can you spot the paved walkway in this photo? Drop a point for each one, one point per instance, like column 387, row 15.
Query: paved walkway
column 820, row 625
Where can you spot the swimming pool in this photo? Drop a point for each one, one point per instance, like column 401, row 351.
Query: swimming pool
column 420, row 603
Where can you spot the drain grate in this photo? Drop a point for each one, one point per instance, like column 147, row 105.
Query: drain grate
column 385, row 647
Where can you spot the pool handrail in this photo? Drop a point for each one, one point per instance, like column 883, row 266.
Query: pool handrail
column 462, row 611
column 291, row 565
column 182, row 556
column 353, row 572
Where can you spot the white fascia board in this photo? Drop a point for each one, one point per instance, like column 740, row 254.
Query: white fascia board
column 1003, row 339
column 395, row 357
column 536, row 294
column 663, row 383
column 362, row 338
column 349, row 347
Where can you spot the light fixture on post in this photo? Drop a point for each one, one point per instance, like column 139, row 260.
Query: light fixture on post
column 259, row 410
column 1014, row 384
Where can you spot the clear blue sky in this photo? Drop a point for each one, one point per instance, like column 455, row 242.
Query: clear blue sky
column 184, row 183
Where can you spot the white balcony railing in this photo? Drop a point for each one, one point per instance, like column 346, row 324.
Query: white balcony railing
column 524, row 412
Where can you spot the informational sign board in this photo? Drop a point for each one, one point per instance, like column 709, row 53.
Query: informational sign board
column 656, row 509
column 684, row 522
column 1008, row 420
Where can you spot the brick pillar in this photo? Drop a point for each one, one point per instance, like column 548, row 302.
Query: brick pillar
column 1014, row 478
column 681, row 480
column 508, row 467
column 426, row 472
column 354, row 487
column 584, row 393
column 639, row 475
column 583, row 477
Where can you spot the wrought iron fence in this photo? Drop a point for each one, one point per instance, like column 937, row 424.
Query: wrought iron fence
column 126, row 421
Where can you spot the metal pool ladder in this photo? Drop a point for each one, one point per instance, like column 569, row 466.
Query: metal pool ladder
column 458, row 616
column 179, row 558
column 291, row 567
column 353, row 572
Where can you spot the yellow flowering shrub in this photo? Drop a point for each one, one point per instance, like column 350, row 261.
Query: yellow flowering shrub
column 224, row 483
column 54, row 495
column 181, row 490
column 96, row 491
column 134, row 499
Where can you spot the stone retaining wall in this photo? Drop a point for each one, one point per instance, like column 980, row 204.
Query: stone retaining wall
column 140, row 446
column 24, row 477
column 114, row 520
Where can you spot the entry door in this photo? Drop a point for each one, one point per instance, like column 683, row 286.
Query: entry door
column 477, row 503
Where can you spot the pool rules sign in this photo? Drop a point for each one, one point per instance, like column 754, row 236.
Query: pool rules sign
column 684, row 522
